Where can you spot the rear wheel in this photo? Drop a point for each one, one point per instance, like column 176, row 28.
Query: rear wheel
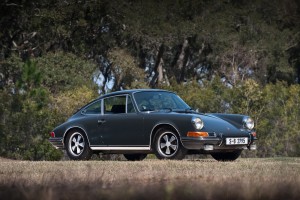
column 77, row 146
column 135, row 157
column 226, row 156
column 167, row 145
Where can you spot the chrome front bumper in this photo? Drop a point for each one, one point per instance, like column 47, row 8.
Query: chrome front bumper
column 214, row 143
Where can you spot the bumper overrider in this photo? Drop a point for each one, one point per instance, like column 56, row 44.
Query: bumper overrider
column 214, row 142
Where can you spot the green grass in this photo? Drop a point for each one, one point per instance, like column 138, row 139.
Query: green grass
column 269, row 178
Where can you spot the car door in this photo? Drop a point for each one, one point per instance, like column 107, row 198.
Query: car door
column 90, row 122
column 121, row 125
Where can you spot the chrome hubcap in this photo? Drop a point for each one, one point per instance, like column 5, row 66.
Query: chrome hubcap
column 167, row 144
column 76, row 144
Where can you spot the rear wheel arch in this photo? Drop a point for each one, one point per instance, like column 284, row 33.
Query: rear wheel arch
column 72, row 129
column 77, row 145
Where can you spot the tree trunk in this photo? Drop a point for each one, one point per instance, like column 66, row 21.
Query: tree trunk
column 158, row 68
column 180, row 64
column 160, row 71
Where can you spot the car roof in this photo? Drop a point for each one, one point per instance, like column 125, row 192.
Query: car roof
column 122, row 92
column 132, row 91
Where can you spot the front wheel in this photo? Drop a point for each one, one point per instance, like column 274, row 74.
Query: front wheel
column 167, row 145
column 77, row 146
column 135, row 157
column 226, row 156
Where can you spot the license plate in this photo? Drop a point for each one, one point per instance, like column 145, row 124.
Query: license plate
column 236, row 141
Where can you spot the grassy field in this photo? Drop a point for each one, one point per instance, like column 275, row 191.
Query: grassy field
column 270, row 178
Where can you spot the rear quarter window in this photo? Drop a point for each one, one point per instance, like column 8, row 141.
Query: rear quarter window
column 94, row 108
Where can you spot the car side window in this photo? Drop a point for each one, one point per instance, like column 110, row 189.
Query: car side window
column 94, row 108
column 115, row 105
column 130, row 107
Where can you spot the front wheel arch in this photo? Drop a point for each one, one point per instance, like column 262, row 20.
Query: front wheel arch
column 163, row 126
column 177, row 153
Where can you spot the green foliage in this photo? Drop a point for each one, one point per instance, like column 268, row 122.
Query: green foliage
column 29, row 110
column 66, row 103
column 50, row 49
column 126, row 70
column 273, row 107
column 64, row 71
column 24, row 117
column 30, row 76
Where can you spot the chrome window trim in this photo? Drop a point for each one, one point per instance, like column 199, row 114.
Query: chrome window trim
column 126, row 103
column 119, row 95
column 131, row 98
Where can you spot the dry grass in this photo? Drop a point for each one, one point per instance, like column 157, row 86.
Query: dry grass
column 273, row 178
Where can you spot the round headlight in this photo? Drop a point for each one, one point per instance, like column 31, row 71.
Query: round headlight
column 198, row 123
column 248, row 123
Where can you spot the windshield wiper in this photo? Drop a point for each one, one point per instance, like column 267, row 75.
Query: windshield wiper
column 189, row 110
column 157, row 110
column 148, row 110
column 169, row 109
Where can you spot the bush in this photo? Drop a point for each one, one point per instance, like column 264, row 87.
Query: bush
column 274, row 109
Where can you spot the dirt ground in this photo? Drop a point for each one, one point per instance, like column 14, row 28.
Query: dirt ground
column 251, row 178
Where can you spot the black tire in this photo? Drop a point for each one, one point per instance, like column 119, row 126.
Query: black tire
column 226, row 156
column 167, row 145
column 135, row 157
column 77, row 146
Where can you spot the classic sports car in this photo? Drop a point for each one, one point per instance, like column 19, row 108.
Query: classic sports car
column 139, row 122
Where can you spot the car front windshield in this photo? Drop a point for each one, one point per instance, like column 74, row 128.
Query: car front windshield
column 159, row 100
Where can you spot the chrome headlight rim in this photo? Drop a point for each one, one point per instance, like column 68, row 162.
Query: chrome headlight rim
column 248, row 123
column 198, row 123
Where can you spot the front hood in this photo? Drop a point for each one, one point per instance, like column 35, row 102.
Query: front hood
column 228, row 124
column 213, row 123
column 218, row 122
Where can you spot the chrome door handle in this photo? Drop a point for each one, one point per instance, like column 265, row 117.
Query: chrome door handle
column 101, row 121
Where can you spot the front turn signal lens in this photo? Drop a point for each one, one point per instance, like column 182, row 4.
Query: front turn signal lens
column 254, row 134
column 197, row 134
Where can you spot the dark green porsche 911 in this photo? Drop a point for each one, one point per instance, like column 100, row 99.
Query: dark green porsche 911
column 140, row 122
